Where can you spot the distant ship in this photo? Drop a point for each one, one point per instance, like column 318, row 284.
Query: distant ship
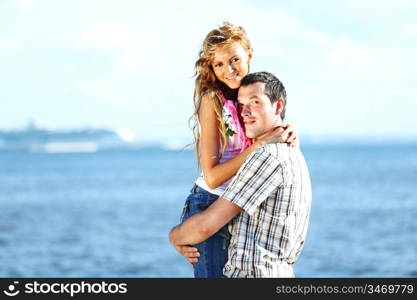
column 36, row 139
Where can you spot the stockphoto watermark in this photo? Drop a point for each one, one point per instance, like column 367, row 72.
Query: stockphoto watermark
column 73, row 288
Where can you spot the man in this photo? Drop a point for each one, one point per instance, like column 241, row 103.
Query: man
column 268, row 201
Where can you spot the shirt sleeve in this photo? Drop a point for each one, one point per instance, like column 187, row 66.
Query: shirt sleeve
column 257, row 178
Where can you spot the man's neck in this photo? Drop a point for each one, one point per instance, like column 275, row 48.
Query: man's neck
column 278, row 123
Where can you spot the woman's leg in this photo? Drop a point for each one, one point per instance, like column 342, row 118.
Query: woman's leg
column 213, row 251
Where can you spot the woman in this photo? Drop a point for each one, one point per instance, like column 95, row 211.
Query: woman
column 221, row 145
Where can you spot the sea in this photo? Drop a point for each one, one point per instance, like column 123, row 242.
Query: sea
column 108, row 214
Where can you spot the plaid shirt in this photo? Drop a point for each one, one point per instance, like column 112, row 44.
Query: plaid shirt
column 273, row 188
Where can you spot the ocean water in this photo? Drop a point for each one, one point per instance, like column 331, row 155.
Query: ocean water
column 108, row 214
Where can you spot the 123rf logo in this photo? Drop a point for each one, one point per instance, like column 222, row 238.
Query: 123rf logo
column 11, row 289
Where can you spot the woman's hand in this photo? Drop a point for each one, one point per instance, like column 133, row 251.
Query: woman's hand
column 291, row 135
column 282, row 134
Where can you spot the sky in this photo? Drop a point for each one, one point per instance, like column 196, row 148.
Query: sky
column 349, row 67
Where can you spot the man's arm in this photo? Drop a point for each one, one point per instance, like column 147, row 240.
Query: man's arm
column 201, row 226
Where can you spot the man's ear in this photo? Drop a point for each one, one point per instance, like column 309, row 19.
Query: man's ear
column 280, row 106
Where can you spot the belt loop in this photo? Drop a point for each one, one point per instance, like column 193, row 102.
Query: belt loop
column 193, row 189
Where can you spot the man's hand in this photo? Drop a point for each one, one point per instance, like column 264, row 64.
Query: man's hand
column 190, row 253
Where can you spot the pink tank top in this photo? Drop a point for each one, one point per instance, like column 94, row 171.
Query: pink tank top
column 236, row 142
column 236, row 138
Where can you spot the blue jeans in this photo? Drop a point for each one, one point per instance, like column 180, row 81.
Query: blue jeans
column 213, row 251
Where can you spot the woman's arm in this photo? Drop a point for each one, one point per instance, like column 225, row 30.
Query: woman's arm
column 216, row 173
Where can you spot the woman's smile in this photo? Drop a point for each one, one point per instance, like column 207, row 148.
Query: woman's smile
column 230, row 64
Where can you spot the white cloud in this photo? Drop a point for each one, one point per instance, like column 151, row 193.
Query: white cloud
column 124, row 45
column 139, row 58
column 101, row 88
column 8, row 44
column 29, row 4
column 410, row 31
column 109, row 36
column 347, row 52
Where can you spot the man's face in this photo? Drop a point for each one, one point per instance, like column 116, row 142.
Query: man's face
column 256, row 110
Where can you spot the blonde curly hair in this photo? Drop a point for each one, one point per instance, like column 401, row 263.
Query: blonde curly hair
column 206, row 82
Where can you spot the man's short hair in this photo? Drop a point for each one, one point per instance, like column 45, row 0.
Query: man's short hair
column 274, row 88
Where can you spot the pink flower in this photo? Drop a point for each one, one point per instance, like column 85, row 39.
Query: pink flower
column 233, row 125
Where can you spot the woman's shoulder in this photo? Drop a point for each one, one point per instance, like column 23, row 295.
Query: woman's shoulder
column 208, row 99
column 207, row 109
column 209, row 95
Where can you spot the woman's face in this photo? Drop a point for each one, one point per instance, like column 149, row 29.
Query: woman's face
column 230, row 64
